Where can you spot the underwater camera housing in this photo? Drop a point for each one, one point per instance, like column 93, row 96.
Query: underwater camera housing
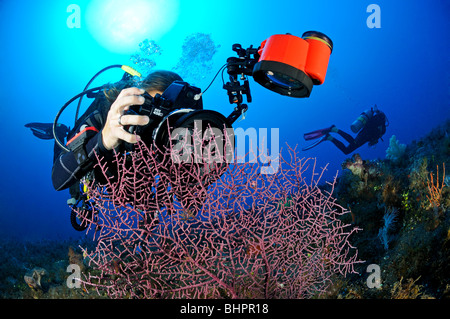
column 180, row 106
column 179, row 95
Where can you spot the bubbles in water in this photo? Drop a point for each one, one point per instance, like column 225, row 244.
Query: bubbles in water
column 145, row 59
column 194, row 64
column 196, row 58
column 149, row 47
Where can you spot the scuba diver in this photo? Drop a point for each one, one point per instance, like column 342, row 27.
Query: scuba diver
column 100, row 130
column 103, row 130
column 371, row 125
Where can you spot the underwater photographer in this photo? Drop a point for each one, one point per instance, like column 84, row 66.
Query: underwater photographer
column 121, row 112
column 103, row 130
column 134, row 109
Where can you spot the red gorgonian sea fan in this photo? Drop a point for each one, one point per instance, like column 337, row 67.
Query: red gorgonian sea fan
column 207, row 230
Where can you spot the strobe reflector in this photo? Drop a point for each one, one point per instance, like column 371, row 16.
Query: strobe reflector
column 290, row 65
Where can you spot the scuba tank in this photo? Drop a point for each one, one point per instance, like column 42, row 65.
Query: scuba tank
column 361, row 121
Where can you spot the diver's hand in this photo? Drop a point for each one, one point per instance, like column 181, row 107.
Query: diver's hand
column 113, row 132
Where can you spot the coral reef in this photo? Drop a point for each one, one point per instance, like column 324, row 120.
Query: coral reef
column 415, row 263
column 395, row 151
column 389, row 219
column 411, row 181
column 409, row 290
column 38, row 270
column 34, row 277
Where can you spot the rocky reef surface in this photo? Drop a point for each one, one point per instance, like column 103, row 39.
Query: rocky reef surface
column 401, row 203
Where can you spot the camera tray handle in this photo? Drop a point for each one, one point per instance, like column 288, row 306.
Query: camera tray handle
column 238, row 111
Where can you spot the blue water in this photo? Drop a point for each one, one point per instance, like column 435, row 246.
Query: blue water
column 403, row 67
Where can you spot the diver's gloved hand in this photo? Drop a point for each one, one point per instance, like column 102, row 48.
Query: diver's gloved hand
column 113, row 132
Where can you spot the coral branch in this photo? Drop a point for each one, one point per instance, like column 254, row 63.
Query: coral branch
column 435, row 191
column 196, row 230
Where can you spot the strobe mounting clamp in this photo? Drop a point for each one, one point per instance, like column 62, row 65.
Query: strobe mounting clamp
column 238, row 69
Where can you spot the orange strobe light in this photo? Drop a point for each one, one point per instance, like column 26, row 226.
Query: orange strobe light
column 290, row 65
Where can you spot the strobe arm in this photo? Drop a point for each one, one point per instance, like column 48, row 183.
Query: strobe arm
column 238, row 68
column 235, row 91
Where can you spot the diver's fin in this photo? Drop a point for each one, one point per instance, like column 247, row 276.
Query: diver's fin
column 316, row 134
column 44, row 131
column 324, row 138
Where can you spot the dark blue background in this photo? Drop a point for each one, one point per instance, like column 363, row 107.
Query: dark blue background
column 403, row 67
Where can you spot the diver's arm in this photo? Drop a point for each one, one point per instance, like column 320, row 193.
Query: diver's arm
column 66, row 170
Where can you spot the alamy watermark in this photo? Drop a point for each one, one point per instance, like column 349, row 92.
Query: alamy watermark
column 374, row 19
column 73, row 280
column 208, row 145
column 374, row 279
column 74, row 19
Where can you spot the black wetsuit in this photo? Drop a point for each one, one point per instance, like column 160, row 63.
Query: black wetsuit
column 67, row 171
column 371, row 132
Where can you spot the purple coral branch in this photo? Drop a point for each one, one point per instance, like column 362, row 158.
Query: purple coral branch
column 220, row 230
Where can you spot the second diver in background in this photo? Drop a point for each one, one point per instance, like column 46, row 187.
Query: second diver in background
column 371, row 125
